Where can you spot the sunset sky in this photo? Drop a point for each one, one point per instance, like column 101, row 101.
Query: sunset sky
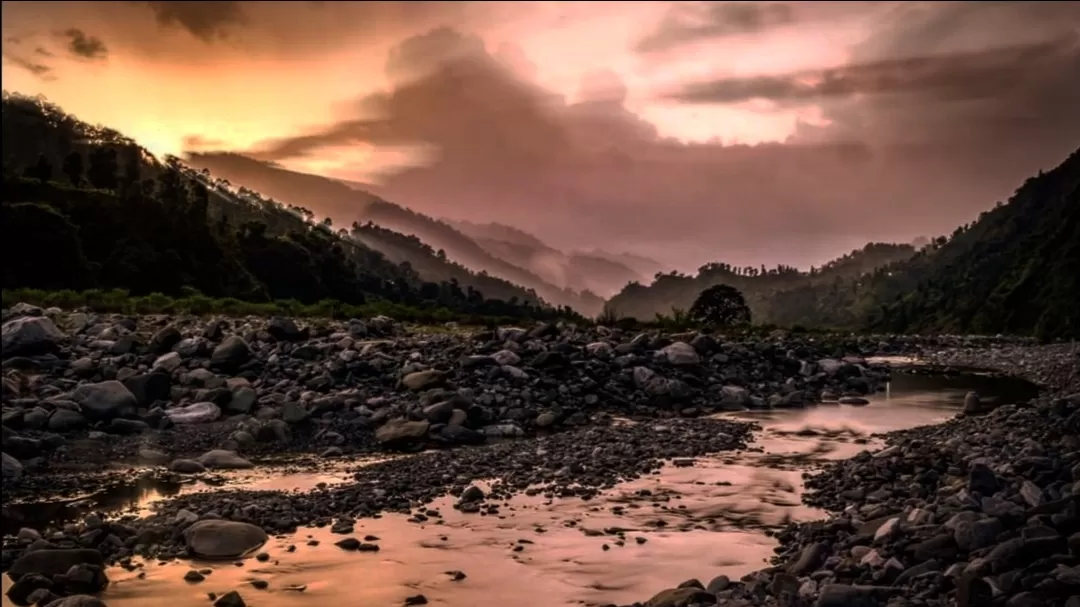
column 688, row 131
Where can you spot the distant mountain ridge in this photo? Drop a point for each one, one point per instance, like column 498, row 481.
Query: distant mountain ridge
column 112, row 216
column 345, row 202
column 760, row 285
column 574, row 270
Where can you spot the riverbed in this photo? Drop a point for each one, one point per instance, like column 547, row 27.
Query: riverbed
column 694, row 519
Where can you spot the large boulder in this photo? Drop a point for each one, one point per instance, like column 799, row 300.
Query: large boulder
column 164, row 340
column 232, row 352
column 284, row 329
column 400, row 431
column 66, row 420
column 31, row 336
column 419, row 381
column 218, row 539
column 149, row 388
column 12, row 469
column 223, row 459
column 53, row 561
column 681, row 353
column 105, row 400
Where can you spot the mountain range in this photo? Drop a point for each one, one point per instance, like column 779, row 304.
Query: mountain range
column 577, row 280
column 228, row 225
column 106, row 214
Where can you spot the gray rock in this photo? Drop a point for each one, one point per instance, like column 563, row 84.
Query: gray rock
column 105, row 400
column 186, row 466
column 197, row 413
column 224, row 460
column 231, row 353
column 12, row 469
column 219, row 539
column 53, row 561
column 31, row 336
column 66, row 420
column 419, row 381
column 839, row 595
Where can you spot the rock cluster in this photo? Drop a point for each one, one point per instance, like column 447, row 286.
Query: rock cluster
column 157, row 387
column 983, row 510
column 193, row 395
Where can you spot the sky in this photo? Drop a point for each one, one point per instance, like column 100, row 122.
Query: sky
column 746, row 132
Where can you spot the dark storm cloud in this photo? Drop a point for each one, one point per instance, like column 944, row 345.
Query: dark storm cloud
column 38, row 69
column 687, row 22
column 1017, row 94
column 80, row 44
column 963, row 76
column 594, row 172
column 205, row 20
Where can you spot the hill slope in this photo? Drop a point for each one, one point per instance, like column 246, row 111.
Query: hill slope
column 100, row 212
column 333, row 198
column 576, row 271
column 1015, row 270
column 761, row 286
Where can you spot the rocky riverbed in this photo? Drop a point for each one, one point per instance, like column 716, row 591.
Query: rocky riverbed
column 981, row 510
column 550, row 413
column 82, row 389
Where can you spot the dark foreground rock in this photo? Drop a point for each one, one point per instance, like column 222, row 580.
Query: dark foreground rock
column 981, row 511
column 81, row 390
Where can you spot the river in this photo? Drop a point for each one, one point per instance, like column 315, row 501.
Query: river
column 684, row 522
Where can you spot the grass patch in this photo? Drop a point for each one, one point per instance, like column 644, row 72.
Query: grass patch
column 119, row 301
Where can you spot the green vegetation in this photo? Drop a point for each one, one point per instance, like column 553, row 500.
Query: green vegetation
column 1014, row 270
column 720, row 306
column 122, row 220
column 119, row 301
column 762, row 287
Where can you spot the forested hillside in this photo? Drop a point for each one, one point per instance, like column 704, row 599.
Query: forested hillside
column 1015, row 270
column 86, row 208
column 328, row 197
column 760, row 285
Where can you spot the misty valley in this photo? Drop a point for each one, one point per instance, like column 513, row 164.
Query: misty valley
column 451, row 347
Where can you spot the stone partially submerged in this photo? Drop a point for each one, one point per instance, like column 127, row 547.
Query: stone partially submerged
column 224, row 460
column 218, row 539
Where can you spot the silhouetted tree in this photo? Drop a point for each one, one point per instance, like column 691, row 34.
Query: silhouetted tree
column 42, row 169
column 73, row 168
column 132, row 176
column 103, row 169
column 720, row 306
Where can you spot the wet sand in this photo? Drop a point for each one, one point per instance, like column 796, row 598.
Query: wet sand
column 697, row 521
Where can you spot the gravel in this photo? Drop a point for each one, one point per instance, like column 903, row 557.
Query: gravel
column 981, row 510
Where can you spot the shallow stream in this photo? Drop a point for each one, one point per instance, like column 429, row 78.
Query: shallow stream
column 683, row 522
